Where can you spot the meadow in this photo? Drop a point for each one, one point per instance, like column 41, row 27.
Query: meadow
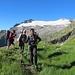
column 53, row 59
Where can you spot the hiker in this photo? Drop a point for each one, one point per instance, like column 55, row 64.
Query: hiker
column 22, row 40
column 15, row 37
column 33, row 40
column 11, row 39
column 7, row 39
column 14, row 33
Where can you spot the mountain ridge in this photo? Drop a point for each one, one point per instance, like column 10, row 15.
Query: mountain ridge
column 43, row 23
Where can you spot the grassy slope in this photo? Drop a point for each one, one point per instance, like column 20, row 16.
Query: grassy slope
column 61, row 59
column 52, row 60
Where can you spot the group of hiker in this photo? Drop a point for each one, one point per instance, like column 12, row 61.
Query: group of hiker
column 32, row 39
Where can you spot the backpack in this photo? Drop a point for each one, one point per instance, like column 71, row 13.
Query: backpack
column 7, row 34
column 23, row 38
column 32, row 40
column 11, row 35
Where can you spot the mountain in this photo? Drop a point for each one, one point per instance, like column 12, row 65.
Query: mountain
column 64, row 34
column 2, row 38
column 2, row 32
column 45, row 29
column 26, row 21
column 64, row 22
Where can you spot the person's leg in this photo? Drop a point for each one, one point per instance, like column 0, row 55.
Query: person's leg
column 31, row 54
column 35, row 56
column 20, row 52
column 12, row 43
column 8, row 44
column 22, row 48
column 12, row 46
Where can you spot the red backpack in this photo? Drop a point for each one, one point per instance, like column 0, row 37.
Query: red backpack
column 11, row 35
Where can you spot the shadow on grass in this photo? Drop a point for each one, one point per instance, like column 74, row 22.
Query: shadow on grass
column 65, row 66
column 39, row 67
column 56, row 54
column 40, row 56
column 11, row 59
column 40, row 49
column 16, row 48
column 69, row 67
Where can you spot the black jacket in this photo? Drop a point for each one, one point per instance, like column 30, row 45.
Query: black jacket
column 33, row 40
column 22, row 39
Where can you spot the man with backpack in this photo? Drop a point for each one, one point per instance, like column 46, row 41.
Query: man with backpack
column 22, row 40
column 11, row 39
column 33, row 40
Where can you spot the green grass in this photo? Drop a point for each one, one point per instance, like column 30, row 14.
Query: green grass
column 52, row 60
column 60, row 64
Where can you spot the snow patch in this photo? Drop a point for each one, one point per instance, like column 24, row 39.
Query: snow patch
column 64, row 22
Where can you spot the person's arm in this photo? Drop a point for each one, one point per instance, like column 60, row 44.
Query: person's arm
column 27, row 39
column 19, row 40
column 38, row 39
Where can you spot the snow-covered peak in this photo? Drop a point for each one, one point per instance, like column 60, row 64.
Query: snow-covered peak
column 64, row 22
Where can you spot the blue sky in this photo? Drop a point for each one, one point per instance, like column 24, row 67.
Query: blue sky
column 16, row 11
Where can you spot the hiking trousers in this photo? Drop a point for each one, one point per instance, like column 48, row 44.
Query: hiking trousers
column 21, row 49
column 33, row 54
